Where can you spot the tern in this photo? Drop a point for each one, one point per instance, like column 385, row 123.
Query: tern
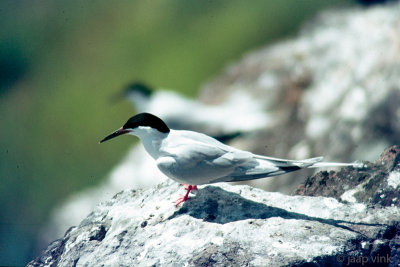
column 182, row 113
column 193, row 158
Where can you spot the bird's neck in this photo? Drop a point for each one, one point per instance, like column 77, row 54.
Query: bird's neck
column 152, row 141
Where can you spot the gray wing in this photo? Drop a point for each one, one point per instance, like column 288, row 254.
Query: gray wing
column 269, row 166
column 201, row 163
column 201, row 160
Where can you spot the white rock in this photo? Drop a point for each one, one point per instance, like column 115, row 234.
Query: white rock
column 220, row 225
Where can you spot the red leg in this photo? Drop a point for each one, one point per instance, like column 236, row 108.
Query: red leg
column 183, row 198
column 190, row 187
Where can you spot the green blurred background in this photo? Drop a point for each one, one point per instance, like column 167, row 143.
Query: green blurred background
column 60, row 61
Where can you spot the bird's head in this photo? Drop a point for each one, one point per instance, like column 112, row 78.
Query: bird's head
column 140, row 125
column 137, row 93
column 138, row 88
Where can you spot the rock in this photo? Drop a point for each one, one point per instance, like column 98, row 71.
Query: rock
column 377, row 184
column 225, row 225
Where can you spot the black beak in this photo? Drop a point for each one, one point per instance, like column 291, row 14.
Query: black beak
column 118, row 132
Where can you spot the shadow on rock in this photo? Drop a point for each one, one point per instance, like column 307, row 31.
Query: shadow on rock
column 215, row 205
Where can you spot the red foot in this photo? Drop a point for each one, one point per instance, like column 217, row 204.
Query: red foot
column 183, row 198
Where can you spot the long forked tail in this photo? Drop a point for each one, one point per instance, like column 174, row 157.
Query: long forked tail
column 309, row 163
column 282, row 166
column 337, row 164
column 304, row 163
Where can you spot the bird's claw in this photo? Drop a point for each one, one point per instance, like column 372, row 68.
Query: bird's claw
column 183, row 198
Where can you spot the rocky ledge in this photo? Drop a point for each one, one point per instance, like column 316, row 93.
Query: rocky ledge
column 226, row 225
column 378, row 183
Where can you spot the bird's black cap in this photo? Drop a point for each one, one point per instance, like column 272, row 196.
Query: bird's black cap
column 139, row 87
column 142, row 119
column 146, row 119
column 134, row 87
